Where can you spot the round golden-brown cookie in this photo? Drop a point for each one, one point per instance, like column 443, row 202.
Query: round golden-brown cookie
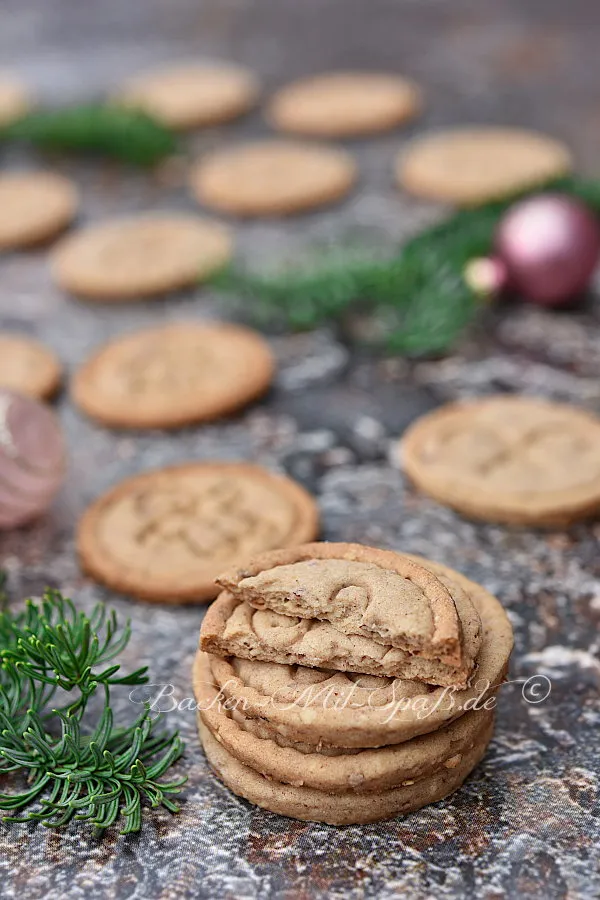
column 34, row 207
column 140, row 256
column 344, row 104
column 166, row 534
column 346, row 607
column 271, row 178
column 367, row 770
column 174, row 375
column 350, row 808
column 358, row 711
column 379, row 594
column 511, row 459
column 27, row 366
column 468, row 166
column 192, row 96
column 15, row 99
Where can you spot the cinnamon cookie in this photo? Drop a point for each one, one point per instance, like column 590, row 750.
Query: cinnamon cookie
column 15, row 99
column 234, row 628
column 140, row 256
column 374, row 593
column 424, row 613
column 192, row 96
column 174, row 375
column 344, row 104
column 271, row 178
column 28, row 367
column 348, row 808
column 328, row 709
column 166, row 534
column 34, row 207
column 365, row 771
column 468, row 166
column 518, row 460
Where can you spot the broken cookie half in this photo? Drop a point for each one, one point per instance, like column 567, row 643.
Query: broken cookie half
column 349, row 608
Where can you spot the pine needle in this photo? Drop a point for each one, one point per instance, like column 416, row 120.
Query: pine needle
column 420, row 292
column 53, row 661
column 124, row 134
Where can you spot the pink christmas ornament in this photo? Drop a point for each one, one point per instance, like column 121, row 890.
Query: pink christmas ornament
column 32, row 459
column 549, row 245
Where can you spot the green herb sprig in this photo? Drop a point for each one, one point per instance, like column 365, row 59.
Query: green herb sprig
column 53, row 660
column 124, row 134
column 420, row 292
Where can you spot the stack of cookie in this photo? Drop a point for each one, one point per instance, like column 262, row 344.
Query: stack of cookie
column 342, row 684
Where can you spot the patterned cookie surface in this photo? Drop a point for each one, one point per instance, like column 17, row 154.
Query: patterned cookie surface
column 140, row 256
column 378, row 594
column 510, row 459
column 34, row 207
column 28, row 367
column 270, row 178
column 357, row 711
column 367, row 770
column 472, row 165
column 235, row 628
column 174, row 375
column 166, row 534
column 191, row 96
column 342, row 104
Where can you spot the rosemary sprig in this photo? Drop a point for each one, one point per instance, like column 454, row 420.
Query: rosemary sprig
column 53, row 660
column 128, row 135
column 420, row 292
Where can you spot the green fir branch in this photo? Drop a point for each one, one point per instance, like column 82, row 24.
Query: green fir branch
column 52, row 653
column 128, row 135
column 420, row 292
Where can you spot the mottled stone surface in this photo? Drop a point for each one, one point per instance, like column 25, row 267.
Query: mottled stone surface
column 527, row 823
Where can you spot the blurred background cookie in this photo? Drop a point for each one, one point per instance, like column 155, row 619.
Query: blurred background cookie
column 140, row 256
column 468, row 166
column 272, row 178
column 34, row 207
column 173, row 375
column 344, row 104
column 15, row 98
column 191, row 96
column 27, row 366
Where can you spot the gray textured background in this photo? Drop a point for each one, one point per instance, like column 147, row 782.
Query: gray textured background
column 526, row 824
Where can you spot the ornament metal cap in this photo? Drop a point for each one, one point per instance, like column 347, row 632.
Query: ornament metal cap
column 487, row 276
